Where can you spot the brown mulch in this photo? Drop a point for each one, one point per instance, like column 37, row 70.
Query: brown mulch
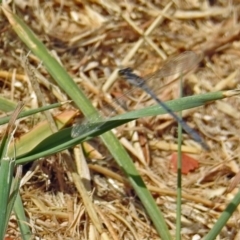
column 92, row 39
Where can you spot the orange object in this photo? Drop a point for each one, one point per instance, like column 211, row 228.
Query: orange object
column 188, row 163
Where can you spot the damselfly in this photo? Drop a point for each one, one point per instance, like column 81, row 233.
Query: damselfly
column 180, row 64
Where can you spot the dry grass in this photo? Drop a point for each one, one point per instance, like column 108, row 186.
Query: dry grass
column 92, row 38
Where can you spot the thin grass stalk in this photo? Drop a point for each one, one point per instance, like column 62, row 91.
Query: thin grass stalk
column 179, row 175
column 30, row 112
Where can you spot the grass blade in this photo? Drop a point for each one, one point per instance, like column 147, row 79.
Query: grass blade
column 70, row 87
column 6, row 174
column 221, row 222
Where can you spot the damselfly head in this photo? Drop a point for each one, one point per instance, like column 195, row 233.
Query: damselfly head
column 125, row 72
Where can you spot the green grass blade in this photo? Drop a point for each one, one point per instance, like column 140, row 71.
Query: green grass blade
column 21, row 218
column 7, row 105
column 222, row 221
column 179, row 175
column 69, row 86
column 58, row 73
column 6, row 173
column 14, row 193
column 27, row 113
column 139, row 186
column 62, row 140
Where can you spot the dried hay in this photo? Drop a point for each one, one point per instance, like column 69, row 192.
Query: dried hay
column 92, row 38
